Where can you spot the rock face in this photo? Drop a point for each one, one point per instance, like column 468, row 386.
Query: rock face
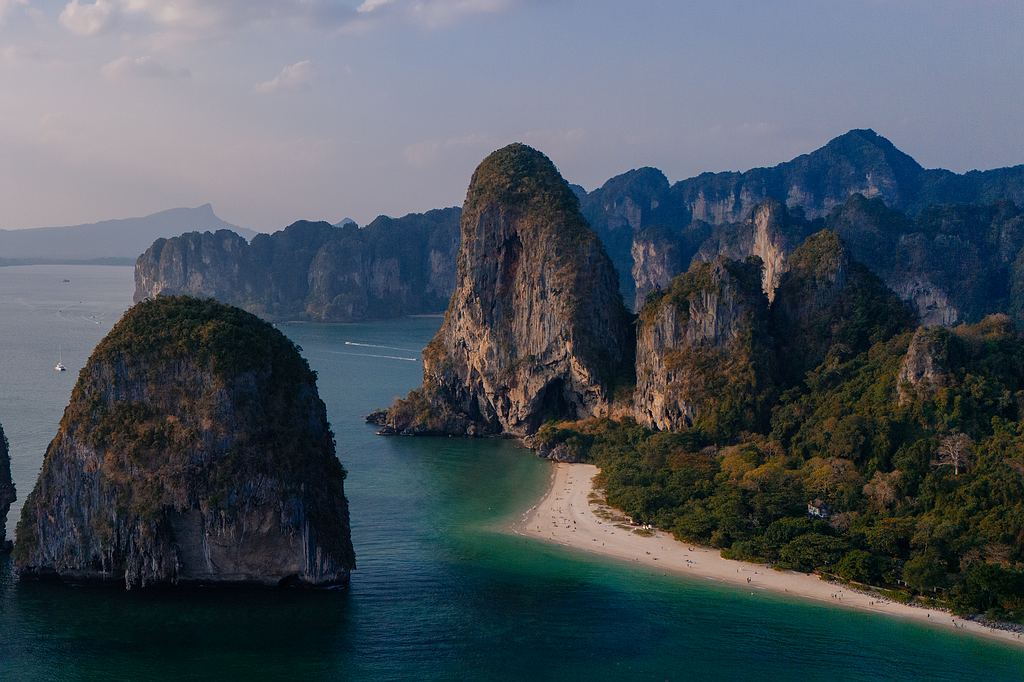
column 6, row 487
column 926, row 366
column 812, row 186
column 622, row 208
column 938, row 357
column 953, row 263
column 771, row 234
column 313, row 271
column 657, row 258
column 195, row 449
column 704, row 351
column 536, row 328
column 829, row 303
column 207, row 264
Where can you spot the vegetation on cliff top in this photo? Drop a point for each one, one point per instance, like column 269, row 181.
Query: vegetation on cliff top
column 827, row 302
column 700, row 278
column 522, row 178
column 226, row 339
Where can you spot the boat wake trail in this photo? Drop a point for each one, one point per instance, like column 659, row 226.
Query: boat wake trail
column 370, row 355
column 373, row 345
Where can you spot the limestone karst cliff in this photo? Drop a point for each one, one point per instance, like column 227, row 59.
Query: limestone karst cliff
column 660, row 253
column 536, row 328
column 938, row 357
column 314, row 270
column 813, row 186
column 195, row 449
column 770, row 233
column 6, row 487
column 859, row 161
column 623, row 207
column 704, row 351
column 828, row 302
column 952, row 263
column 926, row 366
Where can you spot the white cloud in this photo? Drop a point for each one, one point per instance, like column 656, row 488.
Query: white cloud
column 143, row 66
column 87, row 19
column 196, row 18
column 292, row 77
column 442, row 12
column 179, row 14
column 433, row 13
column 371, row 5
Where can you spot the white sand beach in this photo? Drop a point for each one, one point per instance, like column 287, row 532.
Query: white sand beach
column 567, row 516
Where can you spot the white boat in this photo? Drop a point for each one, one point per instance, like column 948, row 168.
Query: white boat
column 59, row 367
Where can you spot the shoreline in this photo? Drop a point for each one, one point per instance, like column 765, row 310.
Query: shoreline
column 566, row 516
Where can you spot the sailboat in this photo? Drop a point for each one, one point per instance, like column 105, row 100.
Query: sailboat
column 59, row 367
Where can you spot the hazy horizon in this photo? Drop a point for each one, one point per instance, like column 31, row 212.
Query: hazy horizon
column 278, row 111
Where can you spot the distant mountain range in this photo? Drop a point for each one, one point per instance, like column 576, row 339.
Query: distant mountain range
column 110, row 241
column 314, row 270
column 950, row 244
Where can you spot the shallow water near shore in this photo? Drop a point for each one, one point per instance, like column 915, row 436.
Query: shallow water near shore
column 441, row 592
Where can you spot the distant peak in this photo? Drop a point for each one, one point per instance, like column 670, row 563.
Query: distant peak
column 638, row 179
column 859, row 134
column 344, row 221
column 865, row 146
column 864, row 132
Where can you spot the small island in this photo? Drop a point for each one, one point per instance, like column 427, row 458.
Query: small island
column 195, row 449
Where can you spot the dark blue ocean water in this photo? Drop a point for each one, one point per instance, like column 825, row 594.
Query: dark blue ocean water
column 441, row 592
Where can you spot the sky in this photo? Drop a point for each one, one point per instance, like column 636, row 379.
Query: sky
column 279, row 110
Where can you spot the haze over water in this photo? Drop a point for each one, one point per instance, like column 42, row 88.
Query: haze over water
column 440, row 592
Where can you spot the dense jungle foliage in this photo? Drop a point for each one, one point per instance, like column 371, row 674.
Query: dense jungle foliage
column 916, row 482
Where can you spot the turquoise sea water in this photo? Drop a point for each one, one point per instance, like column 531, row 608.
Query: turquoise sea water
column 440, row 592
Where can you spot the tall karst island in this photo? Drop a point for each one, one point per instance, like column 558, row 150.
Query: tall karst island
column 195, row 449
column 536, row 328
